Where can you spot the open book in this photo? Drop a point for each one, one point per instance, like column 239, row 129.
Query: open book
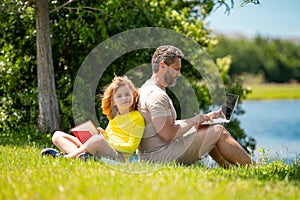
column 85, row 130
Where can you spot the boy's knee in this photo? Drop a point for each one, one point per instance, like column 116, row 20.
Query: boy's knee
column 56, row 135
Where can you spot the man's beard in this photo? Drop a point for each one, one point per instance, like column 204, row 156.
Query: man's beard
column 169, row 80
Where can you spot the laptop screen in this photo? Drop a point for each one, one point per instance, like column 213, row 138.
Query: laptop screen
column 229, row 104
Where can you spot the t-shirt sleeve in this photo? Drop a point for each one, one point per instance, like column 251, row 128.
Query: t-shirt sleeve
column 158, row 105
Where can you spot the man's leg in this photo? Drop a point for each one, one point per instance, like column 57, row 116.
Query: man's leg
column 222, row 147
column 216, row 155
column 209, row 136
column 228, row 150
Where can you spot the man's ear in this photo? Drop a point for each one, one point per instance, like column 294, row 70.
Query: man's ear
column 162, row 64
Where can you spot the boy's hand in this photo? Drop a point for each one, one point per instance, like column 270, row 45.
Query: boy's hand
column 101, row 131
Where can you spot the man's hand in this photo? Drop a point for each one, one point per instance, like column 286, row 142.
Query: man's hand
column 211, row 115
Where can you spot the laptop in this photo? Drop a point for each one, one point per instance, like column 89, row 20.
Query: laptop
column 228, row 107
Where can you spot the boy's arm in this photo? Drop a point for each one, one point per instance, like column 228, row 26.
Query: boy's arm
column 102, row 131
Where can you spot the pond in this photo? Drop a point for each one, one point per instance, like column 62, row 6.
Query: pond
column 275, row 125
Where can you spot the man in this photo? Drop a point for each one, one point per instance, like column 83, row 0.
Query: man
column 185, row 141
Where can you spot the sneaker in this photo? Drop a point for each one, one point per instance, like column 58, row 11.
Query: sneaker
column 84, row 156
column 133, row 158
column 51, row 152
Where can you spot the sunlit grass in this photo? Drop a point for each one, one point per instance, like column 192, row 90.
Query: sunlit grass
column 27, row 175
column 274, row 91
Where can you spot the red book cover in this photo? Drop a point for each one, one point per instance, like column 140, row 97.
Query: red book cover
column 85, row 130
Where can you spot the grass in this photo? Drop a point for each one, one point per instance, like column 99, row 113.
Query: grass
column 27, row 175
column 274, row 91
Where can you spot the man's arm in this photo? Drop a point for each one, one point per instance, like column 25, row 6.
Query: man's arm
column 168, row 130
column 165, row 127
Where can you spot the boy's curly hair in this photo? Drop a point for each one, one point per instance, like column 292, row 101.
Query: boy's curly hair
column 107, row 101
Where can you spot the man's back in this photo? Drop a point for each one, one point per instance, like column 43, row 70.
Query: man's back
column 153, row 103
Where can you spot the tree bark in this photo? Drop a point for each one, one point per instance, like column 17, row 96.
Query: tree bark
column 49, row 119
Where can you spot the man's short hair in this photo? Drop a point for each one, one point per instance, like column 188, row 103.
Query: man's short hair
column 167, row 54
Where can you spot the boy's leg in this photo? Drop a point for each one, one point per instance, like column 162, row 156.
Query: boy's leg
column 65, row 142
column 76, row 152
column 99, row 147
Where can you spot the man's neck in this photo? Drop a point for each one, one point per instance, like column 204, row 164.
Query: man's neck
column 155, row 79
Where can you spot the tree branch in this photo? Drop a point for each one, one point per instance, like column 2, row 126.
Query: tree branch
column 61, row 6
column 84, row 8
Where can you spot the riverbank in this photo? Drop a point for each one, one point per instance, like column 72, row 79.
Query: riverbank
column 273, row 91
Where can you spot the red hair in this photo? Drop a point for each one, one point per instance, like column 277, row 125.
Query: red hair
column 107, row 101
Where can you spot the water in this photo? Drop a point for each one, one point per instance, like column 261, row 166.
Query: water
column 275, row 125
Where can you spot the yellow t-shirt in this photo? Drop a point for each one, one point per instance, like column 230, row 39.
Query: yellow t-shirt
column 124, row 132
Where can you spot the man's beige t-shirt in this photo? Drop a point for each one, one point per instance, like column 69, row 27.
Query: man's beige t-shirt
column 154, row 102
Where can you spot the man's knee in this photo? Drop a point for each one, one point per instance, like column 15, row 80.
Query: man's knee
column 221, row 130
column 218, row 128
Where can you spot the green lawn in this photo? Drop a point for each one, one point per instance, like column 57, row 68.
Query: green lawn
column 274, row 91
column 27, row 175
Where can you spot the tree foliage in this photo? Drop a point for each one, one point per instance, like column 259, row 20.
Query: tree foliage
column 18, row 65
column 76, row 28
column 276, row 60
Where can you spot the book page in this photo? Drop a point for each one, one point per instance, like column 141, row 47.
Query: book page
column 88, row 125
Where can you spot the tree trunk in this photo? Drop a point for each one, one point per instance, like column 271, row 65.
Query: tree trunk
column 49, row 119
